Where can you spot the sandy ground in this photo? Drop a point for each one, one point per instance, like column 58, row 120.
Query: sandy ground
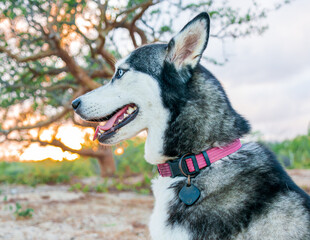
column 63, row 215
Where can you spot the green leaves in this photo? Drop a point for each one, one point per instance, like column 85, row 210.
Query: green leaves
column 294, row 153
column 212, row 13
column 132, row 161
column 165, row 29
column 22, row 213
column 132, row 3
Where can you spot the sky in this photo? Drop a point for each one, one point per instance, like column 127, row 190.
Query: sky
column 267, row 77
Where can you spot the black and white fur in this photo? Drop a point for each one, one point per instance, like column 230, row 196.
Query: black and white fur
column 246, row 195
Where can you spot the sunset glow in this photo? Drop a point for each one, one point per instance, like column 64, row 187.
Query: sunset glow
column 37, row 153
column 119, row 151
column 71, row 136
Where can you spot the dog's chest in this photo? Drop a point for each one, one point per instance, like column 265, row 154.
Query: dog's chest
column 159, row 227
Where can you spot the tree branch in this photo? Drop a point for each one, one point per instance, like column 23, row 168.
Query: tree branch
column 50, row 72
column 103, row 9
column 144, row 7
column 35, row 57
column 47, row 88
column 56, row 143
column 132, row 9
column 108, row 57
column 131, row 31
column 131, row 27
column 103, row 73
column 78, row 72
column 43, row 123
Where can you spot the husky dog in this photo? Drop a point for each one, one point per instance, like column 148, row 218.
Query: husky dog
column 163, row 89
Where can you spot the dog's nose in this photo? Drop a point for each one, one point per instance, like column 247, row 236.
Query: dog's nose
column 76, row 103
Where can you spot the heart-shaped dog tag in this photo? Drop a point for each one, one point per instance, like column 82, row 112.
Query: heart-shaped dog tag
column 189, row 194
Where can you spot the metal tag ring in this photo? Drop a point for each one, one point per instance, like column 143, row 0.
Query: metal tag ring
column 180, row 164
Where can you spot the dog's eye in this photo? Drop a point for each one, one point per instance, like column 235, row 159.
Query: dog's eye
column 119, row 73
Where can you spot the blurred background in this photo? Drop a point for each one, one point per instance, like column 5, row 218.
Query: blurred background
column 53, row 51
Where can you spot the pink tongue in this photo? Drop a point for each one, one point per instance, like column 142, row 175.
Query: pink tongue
column 109, row 124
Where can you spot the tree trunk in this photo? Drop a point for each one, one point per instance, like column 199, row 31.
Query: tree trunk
column 106, row 162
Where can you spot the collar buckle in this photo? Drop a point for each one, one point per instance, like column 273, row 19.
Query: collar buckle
column 184, row 167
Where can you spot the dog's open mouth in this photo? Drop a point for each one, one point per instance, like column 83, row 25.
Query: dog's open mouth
column 115, row 121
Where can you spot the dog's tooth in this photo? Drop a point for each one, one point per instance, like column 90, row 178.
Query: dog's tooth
column 135, row 107
column 125, row 115
column 130, row 110
column 101, row 131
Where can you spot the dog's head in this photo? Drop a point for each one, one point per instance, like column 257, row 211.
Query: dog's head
column 160, row 88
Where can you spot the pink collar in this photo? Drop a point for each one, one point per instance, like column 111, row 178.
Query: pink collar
column 190, row 164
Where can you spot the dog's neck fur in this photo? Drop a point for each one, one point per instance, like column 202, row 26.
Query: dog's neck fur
column 203, row 118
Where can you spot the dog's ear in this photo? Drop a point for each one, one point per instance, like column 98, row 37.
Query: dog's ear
column 186, row 48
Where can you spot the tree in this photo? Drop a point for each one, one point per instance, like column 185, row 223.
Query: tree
column 54, row 51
